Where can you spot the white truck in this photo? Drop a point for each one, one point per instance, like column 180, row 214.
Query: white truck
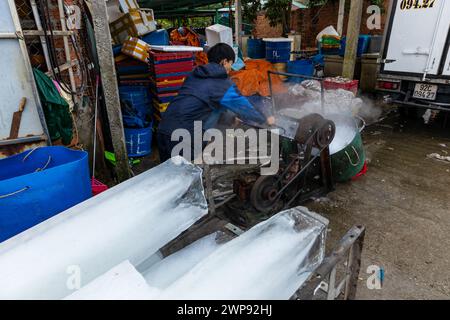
column 415, row 56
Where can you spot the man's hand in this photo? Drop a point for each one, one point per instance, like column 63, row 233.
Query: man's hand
column 271, row 121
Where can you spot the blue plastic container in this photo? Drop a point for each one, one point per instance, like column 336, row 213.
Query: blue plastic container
column 301, row 67
column 38, row 184
column 139, row 141
column 318, row 59
column 278, row 51
column 256, row 49
column 143, row 109
column 158, row 37
column 363, row 45
column 134, row 94
column 138, row 97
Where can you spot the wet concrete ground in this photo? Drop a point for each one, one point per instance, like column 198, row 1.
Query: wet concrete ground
column 404, row 202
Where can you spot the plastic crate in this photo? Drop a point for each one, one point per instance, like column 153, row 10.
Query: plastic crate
column 183, row 66
column 330, row 84
column 157, row 56
column 164, row 97
column 172, row 75
column 301, row 67
column 169, row 83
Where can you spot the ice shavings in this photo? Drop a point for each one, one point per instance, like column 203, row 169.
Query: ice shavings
column 122, row 282
column 343, row 137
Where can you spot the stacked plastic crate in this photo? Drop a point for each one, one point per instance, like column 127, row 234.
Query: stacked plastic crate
column 136, row 102
column 168, row 72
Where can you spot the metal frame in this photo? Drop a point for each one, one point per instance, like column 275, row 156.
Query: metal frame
column 24, row 52
column 347, row 252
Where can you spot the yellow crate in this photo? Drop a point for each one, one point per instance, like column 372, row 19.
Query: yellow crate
column 136, row 48
column 136, row 22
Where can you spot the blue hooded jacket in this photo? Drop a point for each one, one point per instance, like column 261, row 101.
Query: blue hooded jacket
column 206, row 93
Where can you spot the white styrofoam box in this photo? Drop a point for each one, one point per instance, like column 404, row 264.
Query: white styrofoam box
column 218, row 33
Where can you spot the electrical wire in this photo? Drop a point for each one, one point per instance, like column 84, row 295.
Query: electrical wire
column 49, row 35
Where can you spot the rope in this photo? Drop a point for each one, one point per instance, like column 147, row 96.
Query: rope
column 13, row 193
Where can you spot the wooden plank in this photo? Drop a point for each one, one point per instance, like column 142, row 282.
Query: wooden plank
column 110, row 88
column 17, row 117
column 351, row 48
column 34, row 33
column 64, row 67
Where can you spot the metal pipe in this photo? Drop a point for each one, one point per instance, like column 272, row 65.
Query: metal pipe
column 22, row 140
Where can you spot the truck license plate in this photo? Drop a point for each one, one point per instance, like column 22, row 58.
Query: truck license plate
column 425, row 91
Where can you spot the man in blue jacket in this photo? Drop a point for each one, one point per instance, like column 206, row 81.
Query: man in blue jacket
column 206, row 94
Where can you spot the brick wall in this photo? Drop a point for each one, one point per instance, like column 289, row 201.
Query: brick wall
column 309, row 22
column 264, row 30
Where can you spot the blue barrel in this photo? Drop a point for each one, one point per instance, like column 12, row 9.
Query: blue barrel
column 143, row 109
column 256, row 49
column 138, row 97
column 278, row 51
column 139, row 141
column 38, row 184
column 301, row 67
column 134, row 94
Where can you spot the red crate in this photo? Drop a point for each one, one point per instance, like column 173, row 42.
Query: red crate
column 161, row 56
column 173, row 67
column 170, row 78
column 330, row 84
column 168, row 83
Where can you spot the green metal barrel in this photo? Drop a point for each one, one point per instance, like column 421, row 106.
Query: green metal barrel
column 349, row 161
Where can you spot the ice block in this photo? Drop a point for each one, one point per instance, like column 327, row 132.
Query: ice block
column 269, row 261
column 130, row 221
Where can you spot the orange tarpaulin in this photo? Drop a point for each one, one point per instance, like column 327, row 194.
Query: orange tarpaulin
column 190, row 38
column 254, row 79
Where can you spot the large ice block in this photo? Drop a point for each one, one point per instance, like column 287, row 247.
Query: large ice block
column 130, row 221
column 168, row 270
column 270, row 261
column 122, row 282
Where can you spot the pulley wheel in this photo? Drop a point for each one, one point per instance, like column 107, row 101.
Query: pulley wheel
column 325, row 134
column 264, row 192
